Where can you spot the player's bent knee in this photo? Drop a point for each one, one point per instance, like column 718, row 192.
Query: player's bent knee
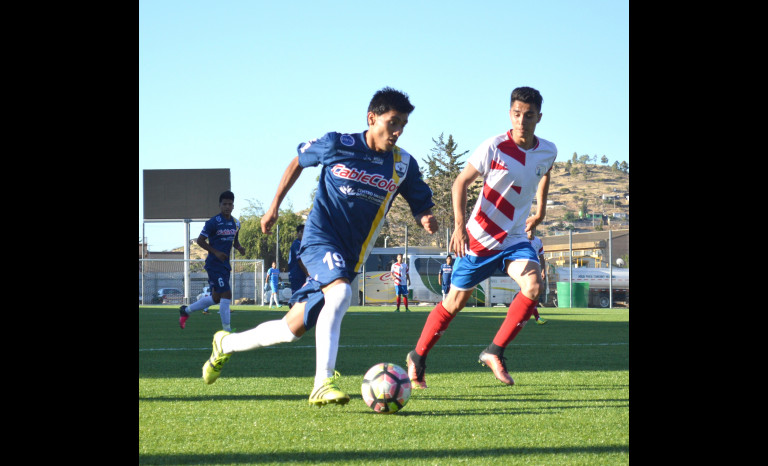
column 532, row 290
column 339, row 294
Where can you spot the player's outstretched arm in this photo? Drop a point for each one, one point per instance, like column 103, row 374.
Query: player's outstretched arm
column 290, row 176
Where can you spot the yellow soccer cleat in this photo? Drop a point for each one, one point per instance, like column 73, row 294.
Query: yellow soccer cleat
column 212, row 367
column 328, row 392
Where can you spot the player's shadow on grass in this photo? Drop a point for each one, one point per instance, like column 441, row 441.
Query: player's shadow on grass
column 433, row 456
column 258, row 397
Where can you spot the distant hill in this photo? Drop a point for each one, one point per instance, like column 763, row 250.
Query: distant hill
column 566, row 194
column 195, row 251
column 605, row 190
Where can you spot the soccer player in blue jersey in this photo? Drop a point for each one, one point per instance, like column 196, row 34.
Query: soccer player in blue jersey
column 297, row 274
column 273, row 279
column 444, row 277
column 219, row 234
column 361, row 175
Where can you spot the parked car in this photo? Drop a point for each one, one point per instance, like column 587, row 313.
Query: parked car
column 169, row 296
column 283, row 293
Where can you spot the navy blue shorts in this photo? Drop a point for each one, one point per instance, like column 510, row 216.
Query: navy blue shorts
column 471, row 270
column 218, row 279
column 312, row 294
column 325, row 264
column 297, row 282
column 401, row 290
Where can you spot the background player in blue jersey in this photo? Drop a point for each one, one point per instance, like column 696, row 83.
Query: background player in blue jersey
column 273, row 280
column 361, row 175
column 297, row 274
column 219, row 234
column 444, row 277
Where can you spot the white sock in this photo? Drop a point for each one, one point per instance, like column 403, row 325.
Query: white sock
column 224, row 313
column 265, row 334
column 328, row 330
column 205, row 301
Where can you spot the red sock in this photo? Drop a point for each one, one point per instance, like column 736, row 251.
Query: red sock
column 536, row 313
column 405, row 300
column 518, row 314
column 398, row 301
column 437, row 321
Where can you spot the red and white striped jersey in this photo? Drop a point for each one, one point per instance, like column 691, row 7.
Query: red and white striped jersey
column 511, row 177
column 399, row 272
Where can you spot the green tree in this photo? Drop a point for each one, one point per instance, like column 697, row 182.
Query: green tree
column 261, row 246
column 439, row 170
column 624, row 167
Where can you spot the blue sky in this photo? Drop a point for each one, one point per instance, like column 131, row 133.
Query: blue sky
column 240, row 84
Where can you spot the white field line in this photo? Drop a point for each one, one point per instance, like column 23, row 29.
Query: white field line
column 396, row 346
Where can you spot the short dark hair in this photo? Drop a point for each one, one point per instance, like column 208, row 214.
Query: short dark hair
column 388, row 99
column 299, row 228
column 226, row 195
column 528, row 95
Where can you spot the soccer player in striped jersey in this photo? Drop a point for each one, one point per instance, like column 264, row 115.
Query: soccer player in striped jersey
column 361, row 175
column 402, row 279
column 515, row 167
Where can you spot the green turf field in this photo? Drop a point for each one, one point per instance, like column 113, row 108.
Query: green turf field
column 570, row 403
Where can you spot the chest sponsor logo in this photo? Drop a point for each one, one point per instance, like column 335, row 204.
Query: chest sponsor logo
column 226, row 231
column 361, row 176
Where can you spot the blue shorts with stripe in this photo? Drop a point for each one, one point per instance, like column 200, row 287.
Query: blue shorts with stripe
column 325, row 264
column 471, row 270
column 401, row 290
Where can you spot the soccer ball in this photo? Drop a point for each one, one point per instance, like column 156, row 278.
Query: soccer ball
column 386, row 388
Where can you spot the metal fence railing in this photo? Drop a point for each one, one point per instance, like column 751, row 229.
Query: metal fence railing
column 164, row 281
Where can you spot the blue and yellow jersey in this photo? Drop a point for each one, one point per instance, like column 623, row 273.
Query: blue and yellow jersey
column 220, row 233
column 356, row 189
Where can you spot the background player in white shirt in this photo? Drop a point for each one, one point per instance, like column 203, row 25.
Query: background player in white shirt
column 515, row 167
column 402, row 280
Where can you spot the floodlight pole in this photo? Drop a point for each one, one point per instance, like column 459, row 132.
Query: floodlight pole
column 610, row 268
column 143, row 257
column 570, row 266
column 186, row 261
column 277, row 252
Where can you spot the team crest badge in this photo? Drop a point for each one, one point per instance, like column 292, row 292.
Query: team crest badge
column 400, row 168
column 347, row 140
